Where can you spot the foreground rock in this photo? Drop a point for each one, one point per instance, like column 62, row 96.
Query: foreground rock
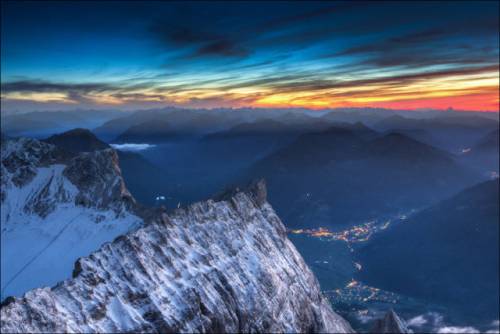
column 221, row 265
column 390, row 323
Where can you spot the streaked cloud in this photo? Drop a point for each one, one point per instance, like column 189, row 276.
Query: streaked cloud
column 314, row 54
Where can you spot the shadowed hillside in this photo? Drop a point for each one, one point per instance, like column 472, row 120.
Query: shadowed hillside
column 446, row 253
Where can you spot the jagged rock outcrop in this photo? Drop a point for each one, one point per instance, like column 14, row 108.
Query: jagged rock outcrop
column 390, row 323
column 96, row 175
column 57, row 206
column 21, row 157
column 221, row 265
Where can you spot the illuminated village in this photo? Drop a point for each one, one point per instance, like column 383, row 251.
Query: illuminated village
column 355, row 291
column 355, row 234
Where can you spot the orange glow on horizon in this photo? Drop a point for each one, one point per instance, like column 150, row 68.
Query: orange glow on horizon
column 477, row 102
column 472, row 92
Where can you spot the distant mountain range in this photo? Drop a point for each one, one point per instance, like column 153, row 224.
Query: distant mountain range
column 161, row 125
column 45, row 123
column 446, row 129
column 152, row 131
column 350, row 173
column 446, row 253
column 258, row 128
column 452, row 133
column 347, row 173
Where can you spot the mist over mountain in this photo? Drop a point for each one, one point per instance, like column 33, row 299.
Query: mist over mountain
column 113, row 128
column 46, row 123
column 182, row 121
column 109, row 124
column 19, row 124
column 450, row 132
column 148, row 132
column 163, row 126
column 369, row 118
column 257, row 128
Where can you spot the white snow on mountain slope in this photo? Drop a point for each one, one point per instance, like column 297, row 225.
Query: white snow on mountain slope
column 43, row 229
column 215, row 266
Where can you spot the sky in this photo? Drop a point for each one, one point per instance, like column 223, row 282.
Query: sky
column 129, row 55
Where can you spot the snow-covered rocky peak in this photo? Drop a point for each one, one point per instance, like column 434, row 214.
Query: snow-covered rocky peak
column 56, row 206
column 221, row 265
column 21, row 157
column 96, row 175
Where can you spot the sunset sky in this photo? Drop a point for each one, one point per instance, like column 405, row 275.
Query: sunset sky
column 285, row 54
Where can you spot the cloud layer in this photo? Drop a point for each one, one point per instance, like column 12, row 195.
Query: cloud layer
column 404, row 55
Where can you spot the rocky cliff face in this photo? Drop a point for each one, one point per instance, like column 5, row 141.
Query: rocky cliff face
column 96, row 176
column 390, row 323
column 222, row 265
column 56, row 206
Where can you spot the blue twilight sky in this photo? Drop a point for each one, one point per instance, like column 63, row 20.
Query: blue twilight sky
column 211, row 54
